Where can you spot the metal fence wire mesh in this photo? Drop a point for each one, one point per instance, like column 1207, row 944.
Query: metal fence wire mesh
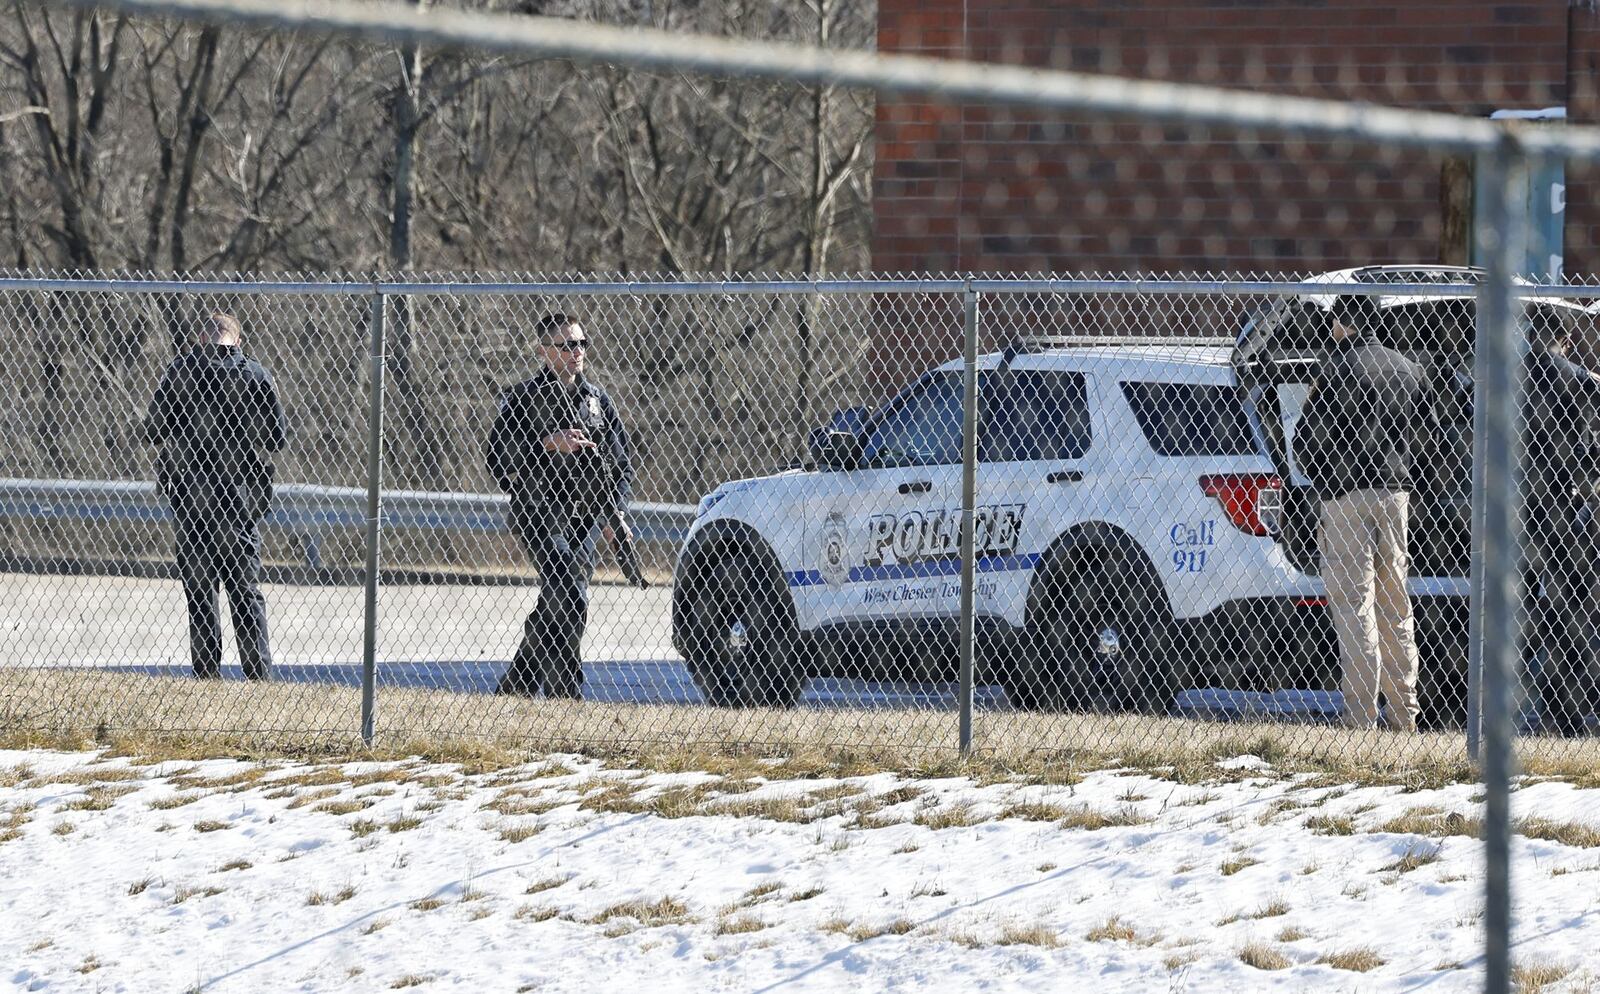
column 1164, row 476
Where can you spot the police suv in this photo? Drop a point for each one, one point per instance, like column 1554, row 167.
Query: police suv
column 1140, row 525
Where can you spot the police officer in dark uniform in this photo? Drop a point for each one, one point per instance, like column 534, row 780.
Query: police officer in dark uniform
column 560, row 450
column 1561, row 408
column 216, row 416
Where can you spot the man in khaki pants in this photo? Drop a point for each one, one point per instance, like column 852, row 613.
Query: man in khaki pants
column 1356, row 441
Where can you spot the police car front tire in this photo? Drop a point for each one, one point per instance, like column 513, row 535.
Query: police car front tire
column 739, row 640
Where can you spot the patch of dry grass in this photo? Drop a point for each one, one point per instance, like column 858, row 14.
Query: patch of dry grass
column 1358, row 960
column 317, row 898
column 1291, row 933
column 345, row 807
column 1034, row 811
column 212, row 825
column 739, row 925
column 290, row 721
column 234, row 864
column 514, row 832
column 184, row 892
column 1037, row 934
column 426, row 904
column 173, row 801
column 548, row 883
column 1092, row 819
column 649, row 914
column 1262, row 956
column 530, row 913
column 804, row 895
column 1331, row 824
column 1415, row 857
column 98, row 797
column 1229, row 867
column 949, row 816
column 1113, row 929
column 864, row 932
column 1533, row 978
column 374, row 926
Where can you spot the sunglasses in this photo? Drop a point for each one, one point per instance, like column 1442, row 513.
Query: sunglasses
column 570, row 345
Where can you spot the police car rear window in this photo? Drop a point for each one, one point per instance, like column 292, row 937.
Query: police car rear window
column 1191, row 419
column 1034, row 414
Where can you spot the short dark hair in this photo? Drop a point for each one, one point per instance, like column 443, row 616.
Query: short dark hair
column 1358, row 311
column 1546, row 326
column 552, row 323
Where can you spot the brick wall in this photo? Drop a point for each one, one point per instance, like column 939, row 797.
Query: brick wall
column 995, row 189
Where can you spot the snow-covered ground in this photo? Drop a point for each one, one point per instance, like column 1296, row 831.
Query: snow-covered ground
column 569, row 875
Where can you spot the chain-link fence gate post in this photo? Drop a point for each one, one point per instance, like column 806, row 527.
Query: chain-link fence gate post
column 369, row 639
column 1501, row 241
column 969, row 500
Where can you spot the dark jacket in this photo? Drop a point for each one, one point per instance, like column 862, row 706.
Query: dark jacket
column 216, row 417
column 1360, row 426
column 1560, row 403
column 589, row 483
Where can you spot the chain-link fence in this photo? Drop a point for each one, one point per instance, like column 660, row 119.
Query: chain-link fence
column 1022, row 516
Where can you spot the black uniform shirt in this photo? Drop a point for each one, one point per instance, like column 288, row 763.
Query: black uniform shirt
column 216, row 415
column 590, row 482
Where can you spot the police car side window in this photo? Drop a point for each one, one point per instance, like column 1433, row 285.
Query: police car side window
column 1033, row 414
column 922, row 430
column 1192, row 419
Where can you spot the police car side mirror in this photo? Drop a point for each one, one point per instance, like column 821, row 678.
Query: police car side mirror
column 835, row 449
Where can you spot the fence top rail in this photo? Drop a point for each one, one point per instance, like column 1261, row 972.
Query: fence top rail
column 1133, row 286
column 991, row 83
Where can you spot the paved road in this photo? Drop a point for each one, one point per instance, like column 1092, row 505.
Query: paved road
column 118, row 621
column 438, row 636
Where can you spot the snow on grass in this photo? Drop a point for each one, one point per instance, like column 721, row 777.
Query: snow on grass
column 569, row 874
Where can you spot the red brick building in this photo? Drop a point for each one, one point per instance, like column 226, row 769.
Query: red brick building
column 1008, row 190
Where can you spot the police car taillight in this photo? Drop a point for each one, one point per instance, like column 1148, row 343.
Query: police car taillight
column 1252, row 501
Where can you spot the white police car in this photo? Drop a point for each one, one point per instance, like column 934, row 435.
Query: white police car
column 1140, row 523
column 1122, row 490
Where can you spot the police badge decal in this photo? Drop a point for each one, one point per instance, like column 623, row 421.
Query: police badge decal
column 835, row 559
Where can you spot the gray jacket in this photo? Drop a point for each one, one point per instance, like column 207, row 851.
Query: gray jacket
column 1360, row 427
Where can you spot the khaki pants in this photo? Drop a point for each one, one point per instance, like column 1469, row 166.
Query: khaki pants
column 1364, row 564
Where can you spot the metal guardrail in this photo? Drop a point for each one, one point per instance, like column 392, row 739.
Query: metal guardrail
column 306, row 509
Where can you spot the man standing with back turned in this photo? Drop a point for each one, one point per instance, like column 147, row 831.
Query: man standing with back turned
column 559, row 449
column 216, row 416
column 1356, row 442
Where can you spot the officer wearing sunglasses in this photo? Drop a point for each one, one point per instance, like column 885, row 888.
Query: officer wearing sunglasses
column 560, row 450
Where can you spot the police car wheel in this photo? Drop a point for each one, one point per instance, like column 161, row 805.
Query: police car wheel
column 1100, row 641
column 739, row 640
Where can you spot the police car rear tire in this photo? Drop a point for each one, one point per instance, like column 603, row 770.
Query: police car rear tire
column 739, row 635
column 1099, row 640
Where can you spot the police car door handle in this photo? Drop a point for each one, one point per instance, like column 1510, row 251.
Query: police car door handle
column 917, row 487
column 1065, row 476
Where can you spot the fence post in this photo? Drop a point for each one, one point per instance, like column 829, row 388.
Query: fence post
column 969, row 501
column 369, row 638
column 1501, row 241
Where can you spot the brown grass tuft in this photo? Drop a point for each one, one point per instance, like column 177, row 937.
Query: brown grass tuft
column 1262, row 957
column 1113, row 929
column 1038, row 934
column 1358, row 960
column 665, row 911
